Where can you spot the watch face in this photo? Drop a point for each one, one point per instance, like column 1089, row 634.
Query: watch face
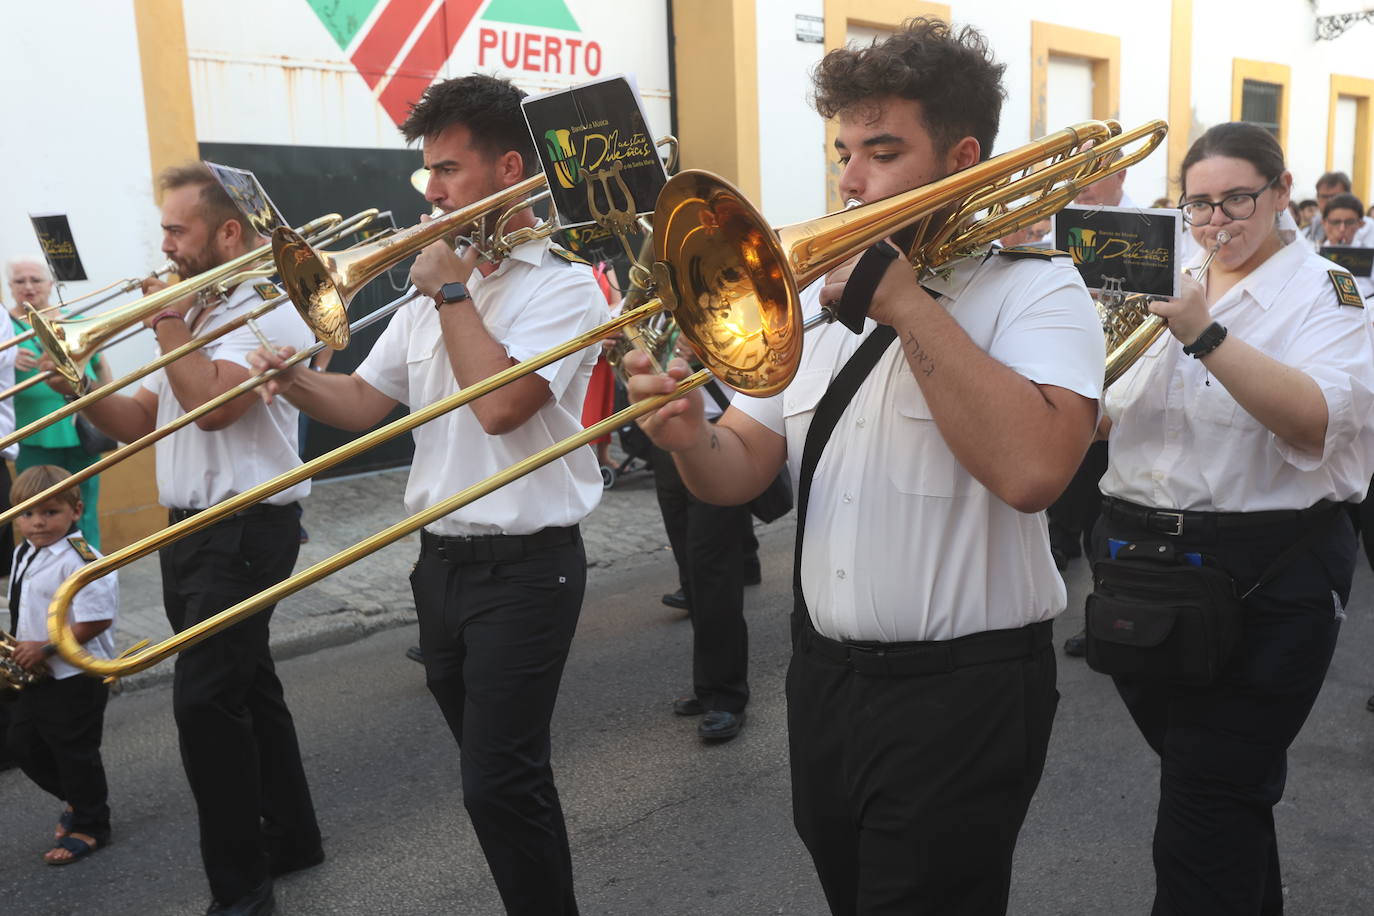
column 453, row 292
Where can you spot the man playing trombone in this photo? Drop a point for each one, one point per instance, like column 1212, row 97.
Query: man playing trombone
column 238, row 740
column 498, row 585
column 921, row 689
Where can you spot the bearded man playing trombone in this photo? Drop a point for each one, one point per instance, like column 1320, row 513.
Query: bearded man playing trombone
column 498, row 585
column 238, row 740
column 921, row 690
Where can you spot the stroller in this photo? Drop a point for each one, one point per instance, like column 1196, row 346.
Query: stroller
column 633, row 442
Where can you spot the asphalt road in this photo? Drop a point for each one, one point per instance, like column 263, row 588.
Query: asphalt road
column 661, row 824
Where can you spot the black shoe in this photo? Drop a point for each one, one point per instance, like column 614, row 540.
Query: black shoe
column 687, row 706
column 286, row 863
column 1076, row 645
column 720, row 725
column 677, row 599
column 259, row 903
column 415, row 655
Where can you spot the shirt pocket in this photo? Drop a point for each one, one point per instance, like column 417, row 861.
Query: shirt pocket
column 805, row 392
column 918, row 461
column 1213, row 406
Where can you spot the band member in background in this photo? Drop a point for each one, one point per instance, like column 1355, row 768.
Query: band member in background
column 1238, row 437
column 238, row 740
column 498, row 585
column 1344, row 223
column 926, row 582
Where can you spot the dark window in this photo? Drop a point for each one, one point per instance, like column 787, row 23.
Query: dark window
column 1259, row 104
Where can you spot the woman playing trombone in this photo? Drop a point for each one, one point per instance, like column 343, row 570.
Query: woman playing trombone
column 1234, row 444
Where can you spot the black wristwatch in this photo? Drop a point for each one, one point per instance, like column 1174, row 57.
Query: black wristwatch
column 1206, row 342
column 451, row 292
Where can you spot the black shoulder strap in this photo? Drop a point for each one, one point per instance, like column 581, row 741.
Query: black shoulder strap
column 717, row 395
column 828, row 411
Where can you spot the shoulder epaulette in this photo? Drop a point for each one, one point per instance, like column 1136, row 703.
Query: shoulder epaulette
column 568, row 256
column 83, row 550
column 1347, row 293
column 1030, row 251
column 266, row 290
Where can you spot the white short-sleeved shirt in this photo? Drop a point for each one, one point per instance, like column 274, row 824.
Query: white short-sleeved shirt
column 198, row 468
column 1179, row 440
column 7, row 358
column 902, row 543
column 42, row 571
column 532, row 302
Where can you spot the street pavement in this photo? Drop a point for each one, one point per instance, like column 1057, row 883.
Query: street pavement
column 659, row 822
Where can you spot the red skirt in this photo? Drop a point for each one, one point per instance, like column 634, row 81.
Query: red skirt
column 600, row 402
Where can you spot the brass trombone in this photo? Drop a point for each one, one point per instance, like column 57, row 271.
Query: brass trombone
column 731, row 283
column 125, row 286
column 101, row 333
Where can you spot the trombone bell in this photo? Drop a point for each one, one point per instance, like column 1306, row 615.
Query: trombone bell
column 719, row 268
column 308, row 277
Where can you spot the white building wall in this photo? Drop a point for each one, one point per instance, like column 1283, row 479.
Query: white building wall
column 75, row 140
column 1281, row 32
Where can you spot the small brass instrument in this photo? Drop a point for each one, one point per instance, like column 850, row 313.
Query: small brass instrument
column 13, row 676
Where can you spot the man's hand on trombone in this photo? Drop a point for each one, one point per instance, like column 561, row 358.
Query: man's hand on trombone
column 438, row 264
column 263, row 359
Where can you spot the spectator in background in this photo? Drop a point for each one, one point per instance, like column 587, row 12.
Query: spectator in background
column 1308, row 210
column 1036, row 233
column 31, row 285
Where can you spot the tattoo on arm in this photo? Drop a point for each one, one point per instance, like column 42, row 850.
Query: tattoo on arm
column 919, row 358
column 715, row 440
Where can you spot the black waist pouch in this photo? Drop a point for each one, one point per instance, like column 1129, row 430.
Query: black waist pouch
column 1155, row 616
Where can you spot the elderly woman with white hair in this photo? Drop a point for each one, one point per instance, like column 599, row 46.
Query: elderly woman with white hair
column 30, row 284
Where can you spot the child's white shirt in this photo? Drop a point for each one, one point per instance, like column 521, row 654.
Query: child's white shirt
column 43, row 569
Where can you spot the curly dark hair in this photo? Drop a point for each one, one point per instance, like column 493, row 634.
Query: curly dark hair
column 952, row 74
column 487, row 106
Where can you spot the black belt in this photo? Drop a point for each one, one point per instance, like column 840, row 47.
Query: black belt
column 1175, row 523
column 494, row 548
column 181, row 515
column 908, row 659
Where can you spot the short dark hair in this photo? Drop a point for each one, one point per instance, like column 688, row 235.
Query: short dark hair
column 487, row 106
column 41, row 477
column 1339, row 178
column 1236, row 140
column 952, row 74
column 1343, row 202
column 216, row 206
column 1307, row 202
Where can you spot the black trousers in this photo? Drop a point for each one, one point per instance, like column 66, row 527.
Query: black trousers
column 54, row 735
column 495, row 637
column 710, row 544
column 909, row 789
column 1224, row 748
column 238, row 740
column 1073, row 514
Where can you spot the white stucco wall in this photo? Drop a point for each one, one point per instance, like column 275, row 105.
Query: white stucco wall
column 75, row 139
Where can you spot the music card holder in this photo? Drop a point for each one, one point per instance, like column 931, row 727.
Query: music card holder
column 249, row 196
column 59, row 246
column 1123, row 250
column 1359, row 261
column 598, row 154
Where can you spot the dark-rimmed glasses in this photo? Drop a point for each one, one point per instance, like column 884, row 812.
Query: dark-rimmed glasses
column 1240, row 205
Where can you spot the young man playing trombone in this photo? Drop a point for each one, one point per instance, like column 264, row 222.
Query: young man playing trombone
column 921, row 690
column 498, row 585
column 238, row 740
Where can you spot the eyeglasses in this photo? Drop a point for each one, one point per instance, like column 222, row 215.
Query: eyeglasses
column 1235, row 206
column 1343, row 223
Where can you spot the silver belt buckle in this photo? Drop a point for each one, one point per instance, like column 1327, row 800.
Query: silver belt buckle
column 1177, row 518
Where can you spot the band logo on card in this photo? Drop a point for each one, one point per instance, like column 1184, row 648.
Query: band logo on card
column 1359, row 261
column 249, row 196
column 1135, row 251
column 59, row 246
column 597, row 152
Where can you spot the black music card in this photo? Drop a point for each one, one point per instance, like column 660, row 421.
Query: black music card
column 1359, row 261
column 1135, row 251
column 597, row 151
column 59, row 246
column 249, row 196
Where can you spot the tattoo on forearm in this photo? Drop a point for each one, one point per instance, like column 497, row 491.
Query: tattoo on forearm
column 715, row 441
column 919, row 358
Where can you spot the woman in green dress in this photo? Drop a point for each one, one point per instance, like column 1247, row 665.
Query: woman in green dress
column 30, row 285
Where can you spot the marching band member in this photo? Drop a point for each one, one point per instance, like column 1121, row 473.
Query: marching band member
column 1233, row 445
column 498, row 585
column 238, row 740
column 1344, row 222
column 921, row 690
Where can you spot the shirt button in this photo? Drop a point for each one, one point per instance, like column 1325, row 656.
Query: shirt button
column 839, row 574
column 859, row 422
